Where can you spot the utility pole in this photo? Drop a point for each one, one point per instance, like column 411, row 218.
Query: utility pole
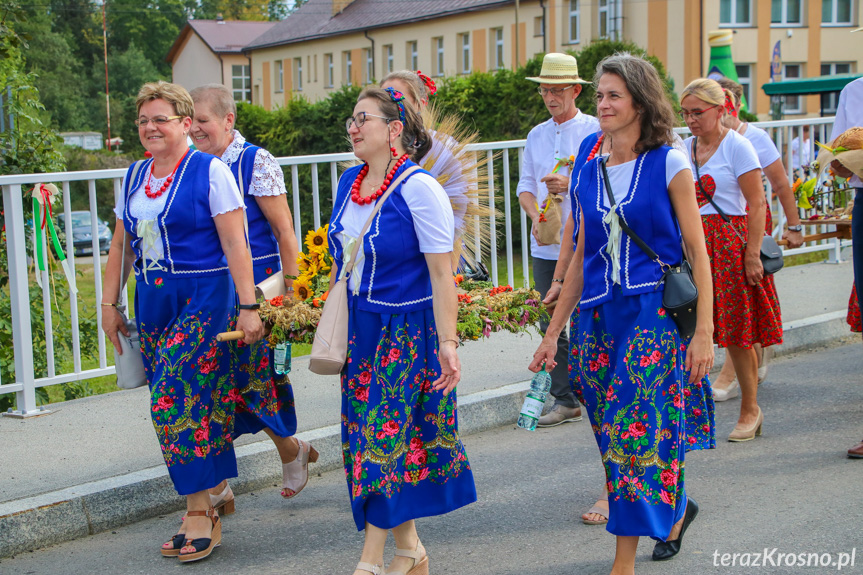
column 107, row 96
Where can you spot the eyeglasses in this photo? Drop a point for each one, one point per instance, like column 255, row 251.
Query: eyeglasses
column 158, row 120
column 695, row 114
column 553, row 91
column 360, row 119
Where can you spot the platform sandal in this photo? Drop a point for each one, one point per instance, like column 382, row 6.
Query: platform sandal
column 172, row 548
column 203, row 546
column 295, row 474
column 421, row 561
column 223, row 503
column 373, row 569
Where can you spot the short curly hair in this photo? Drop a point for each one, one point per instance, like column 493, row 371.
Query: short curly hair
column 174, row 94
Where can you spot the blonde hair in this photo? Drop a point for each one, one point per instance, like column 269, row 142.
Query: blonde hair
column 174, row 94
column 220, row 98
column 708, row 91
column 416, row 87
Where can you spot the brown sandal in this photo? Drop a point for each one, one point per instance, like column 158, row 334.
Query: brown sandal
column 203, row 546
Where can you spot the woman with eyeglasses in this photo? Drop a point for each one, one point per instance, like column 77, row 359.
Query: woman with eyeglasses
column 267, row 402
column 726, row 385
column 746, row 307
column 403, row 456
column 641, row 382
column 180, row 226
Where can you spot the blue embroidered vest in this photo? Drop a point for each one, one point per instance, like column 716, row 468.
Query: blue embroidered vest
column 584, row 150
column 265, row 248
column 647, row 210
column 395, row 274
column 190, row 241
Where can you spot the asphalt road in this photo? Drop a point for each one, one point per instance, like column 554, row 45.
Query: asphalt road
column 792, row 490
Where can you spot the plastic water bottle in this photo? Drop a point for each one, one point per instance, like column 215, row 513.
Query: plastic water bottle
column 282, row 358
column 535, row 400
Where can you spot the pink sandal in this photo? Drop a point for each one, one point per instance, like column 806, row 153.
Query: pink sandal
column 295, row 474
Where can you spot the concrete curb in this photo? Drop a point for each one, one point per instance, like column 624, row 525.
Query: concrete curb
column 33, row 522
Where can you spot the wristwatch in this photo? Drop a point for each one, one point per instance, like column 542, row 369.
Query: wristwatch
column 797, row 228
column 252, row 306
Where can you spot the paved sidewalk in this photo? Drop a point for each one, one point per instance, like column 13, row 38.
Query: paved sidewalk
column 94, row 463
column 788, row 490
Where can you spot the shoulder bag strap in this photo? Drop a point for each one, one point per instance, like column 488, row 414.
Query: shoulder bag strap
column 378, row 205
column 623, row 225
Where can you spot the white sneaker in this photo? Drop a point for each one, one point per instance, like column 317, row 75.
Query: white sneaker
column 730, row 392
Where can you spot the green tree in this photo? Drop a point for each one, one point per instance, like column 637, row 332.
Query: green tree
column 152, row 26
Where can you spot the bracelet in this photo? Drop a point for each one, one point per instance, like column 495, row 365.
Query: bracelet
column 110, row 304
column 556, row 280
column 250, row 306
column 443, row 341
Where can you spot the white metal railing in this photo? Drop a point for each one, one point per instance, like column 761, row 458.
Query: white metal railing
column 14, row 187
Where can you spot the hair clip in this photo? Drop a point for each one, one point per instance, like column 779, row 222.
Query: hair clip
column 430, row 85
column 397, row 97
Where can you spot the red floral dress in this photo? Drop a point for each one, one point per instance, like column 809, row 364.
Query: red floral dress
column 853, row 317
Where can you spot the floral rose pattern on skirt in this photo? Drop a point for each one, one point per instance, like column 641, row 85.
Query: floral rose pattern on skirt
column 192, row 388
column 642, row 409
column 402, row 454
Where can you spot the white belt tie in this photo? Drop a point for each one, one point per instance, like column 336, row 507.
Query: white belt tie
column 347, row 250
column 149, row 235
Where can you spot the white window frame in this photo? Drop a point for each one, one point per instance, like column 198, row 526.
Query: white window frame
column 498, row 49
column 413, row 55
column 834, row 13
column 279, row 73
column 603, row 13
column 464, row 43
column 298, row 74
column 832, row 97
column 783, row 22
column 745, row 82
column 349, row 67
column 389, row 59
column 574, row 21
column 735, row 20
column 798, row 108
column 331, row 70
column 369, row 70
column 245, row 78
column 439, row 56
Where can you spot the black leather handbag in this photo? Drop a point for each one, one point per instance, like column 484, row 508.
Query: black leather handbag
column 771, row 255
column 680, row 296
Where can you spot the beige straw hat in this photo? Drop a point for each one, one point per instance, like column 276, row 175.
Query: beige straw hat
column 559, row 69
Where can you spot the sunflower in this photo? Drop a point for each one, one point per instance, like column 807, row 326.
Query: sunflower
column 304, row 262
column 302, row 290
column 316, row 241
column 321, row 260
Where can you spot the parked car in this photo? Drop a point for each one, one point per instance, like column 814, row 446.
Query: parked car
column 82, row 237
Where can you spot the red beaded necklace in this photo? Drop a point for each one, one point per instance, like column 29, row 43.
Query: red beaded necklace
column 596, row 148
column 154, row 195
column 355, row 188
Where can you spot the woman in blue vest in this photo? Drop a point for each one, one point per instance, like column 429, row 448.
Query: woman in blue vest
column 267, row 402
column 402, row 453
column 642, row 384
column 180, row 225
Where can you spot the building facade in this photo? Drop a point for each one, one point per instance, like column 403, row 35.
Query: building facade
column 329, row 43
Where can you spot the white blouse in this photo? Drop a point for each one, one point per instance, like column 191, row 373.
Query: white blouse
column 267, row 176
column 734, row 157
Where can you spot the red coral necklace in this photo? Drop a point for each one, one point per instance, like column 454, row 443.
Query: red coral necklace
column 164, row 186
column 596, row 147
column 355, row 188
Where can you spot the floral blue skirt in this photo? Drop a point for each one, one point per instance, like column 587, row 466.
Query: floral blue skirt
column 266, row 398
column 403, row 457
column 192, row 392
column 644, row 413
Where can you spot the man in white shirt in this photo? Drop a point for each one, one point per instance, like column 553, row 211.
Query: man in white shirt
column 544, row 172
column 849, row 113
column 800, row 152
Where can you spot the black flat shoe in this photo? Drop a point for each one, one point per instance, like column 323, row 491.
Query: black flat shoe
column 665, row 550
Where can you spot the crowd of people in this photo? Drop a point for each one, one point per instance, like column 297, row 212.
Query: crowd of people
column 630, row 202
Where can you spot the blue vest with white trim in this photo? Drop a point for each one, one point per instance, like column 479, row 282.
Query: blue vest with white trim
column 265, row 248
column 395, row 274
column 190, row 240
column 647, row 210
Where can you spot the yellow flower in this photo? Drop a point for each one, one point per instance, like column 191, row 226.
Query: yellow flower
column 321, row 260
column 304, row 261
column 302, row 290
column 316, row 241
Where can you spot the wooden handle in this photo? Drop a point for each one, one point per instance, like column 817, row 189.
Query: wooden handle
column 231, row 335
column 816, row 237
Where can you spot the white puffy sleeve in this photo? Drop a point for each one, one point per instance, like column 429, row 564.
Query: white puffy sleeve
column 431, row 212
column 267, row 176
column 224, row 194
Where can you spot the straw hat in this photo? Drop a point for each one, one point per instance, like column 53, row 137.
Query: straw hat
column 558, row 69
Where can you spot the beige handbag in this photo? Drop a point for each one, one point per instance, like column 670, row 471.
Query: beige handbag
column 330, row 347
column 549, row 230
